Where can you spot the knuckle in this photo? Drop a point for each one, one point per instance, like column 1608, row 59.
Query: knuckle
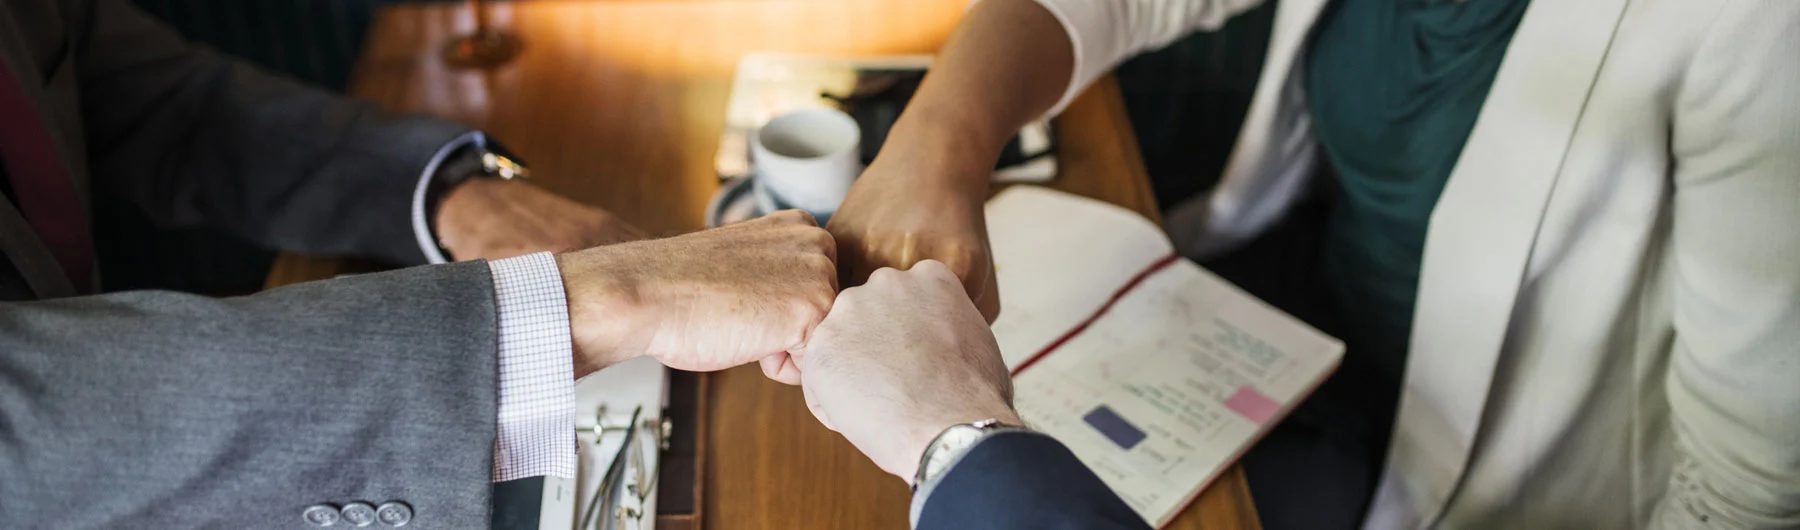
column 932, row 267
column 960, row 254
column 813, row 295
column 775, row 219
column 937, row 272
column 794, row 217
column 848, row 298
column 810, row 239
column 817, row 308
column 958, row 260
column 821, row 238
column 818, row 266
column 807, row 308
column 884, row 275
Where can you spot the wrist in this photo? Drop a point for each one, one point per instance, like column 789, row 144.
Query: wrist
column 469, row 178
column 603, row 308
column 918, row 437
column 456, row 198
column 456, row 215
column 457, row 168
column 945, row 151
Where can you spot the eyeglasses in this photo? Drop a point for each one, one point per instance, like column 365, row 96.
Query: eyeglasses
column 626, row 485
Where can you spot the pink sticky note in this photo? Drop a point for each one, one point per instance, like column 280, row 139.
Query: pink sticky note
column 1253, row 405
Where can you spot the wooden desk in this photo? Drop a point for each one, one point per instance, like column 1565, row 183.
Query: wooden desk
column 621, row 104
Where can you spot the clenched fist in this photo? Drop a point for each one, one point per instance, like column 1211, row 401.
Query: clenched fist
column 704, row 301
column 903, row 211
column 899, row 360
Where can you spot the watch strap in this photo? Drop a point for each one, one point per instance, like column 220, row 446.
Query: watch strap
column 479, row 159
column 948, row 446
column 926, row 482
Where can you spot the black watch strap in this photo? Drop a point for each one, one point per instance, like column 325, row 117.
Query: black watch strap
column 473, row 160
column 464, row 163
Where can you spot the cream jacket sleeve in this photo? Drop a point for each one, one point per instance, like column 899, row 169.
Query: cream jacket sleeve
column 1734, row 372
column 1106, row 32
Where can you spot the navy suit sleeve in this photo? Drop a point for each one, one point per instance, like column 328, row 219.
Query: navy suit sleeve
column 1023, row 480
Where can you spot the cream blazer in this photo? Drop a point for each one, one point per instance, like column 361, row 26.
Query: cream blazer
column 1608, row 323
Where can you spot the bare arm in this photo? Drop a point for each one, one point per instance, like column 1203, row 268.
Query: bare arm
column 922, row 197
column 1005, row 65
column 1009, row 62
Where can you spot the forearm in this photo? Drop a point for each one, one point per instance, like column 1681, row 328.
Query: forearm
column 1005, row 65
column 374, row 388
column 194, row 137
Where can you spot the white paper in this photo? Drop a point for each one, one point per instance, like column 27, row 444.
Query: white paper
column 1058, row 258
column 1194, row 369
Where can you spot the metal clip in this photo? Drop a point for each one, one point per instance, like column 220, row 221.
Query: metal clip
column 626, row 486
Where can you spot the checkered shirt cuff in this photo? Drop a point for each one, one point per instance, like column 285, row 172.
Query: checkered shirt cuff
column 537, row 372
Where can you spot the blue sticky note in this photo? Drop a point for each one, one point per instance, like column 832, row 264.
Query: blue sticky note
column 1115, row 428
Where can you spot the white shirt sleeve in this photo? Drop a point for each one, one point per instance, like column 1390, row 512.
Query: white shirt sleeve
column 1106, row 32
column 537, row 372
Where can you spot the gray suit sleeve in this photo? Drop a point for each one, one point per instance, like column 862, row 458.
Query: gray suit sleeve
column 198, row 138
column 164, row 410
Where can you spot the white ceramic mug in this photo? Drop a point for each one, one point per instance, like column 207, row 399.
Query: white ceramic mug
column 807, row 159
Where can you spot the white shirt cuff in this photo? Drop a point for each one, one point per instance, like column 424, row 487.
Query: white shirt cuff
column 421, row 225
column 537, row 371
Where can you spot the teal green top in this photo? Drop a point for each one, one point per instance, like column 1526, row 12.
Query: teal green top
column 1394, row 88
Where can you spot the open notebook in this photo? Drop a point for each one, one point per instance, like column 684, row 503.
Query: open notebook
column 1155, row 372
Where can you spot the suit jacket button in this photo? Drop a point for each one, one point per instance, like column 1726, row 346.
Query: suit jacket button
column 394, row 513
column 358, row 514
column 320, row 514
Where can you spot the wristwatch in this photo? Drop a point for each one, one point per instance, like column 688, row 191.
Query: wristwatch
column 475, row 160
column 950, row 445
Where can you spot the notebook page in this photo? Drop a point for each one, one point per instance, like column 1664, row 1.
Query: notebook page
column 1171, row 384
column 1058, row 258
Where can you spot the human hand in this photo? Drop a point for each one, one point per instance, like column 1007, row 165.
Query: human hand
column 703, row 301
column 494, row 218
column 910, row 208
column 899, row 360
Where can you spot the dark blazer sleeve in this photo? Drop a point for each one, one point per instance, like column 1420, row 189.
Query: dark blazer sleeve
column 164, row 410
column 1023, row 481
column 198, row 138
